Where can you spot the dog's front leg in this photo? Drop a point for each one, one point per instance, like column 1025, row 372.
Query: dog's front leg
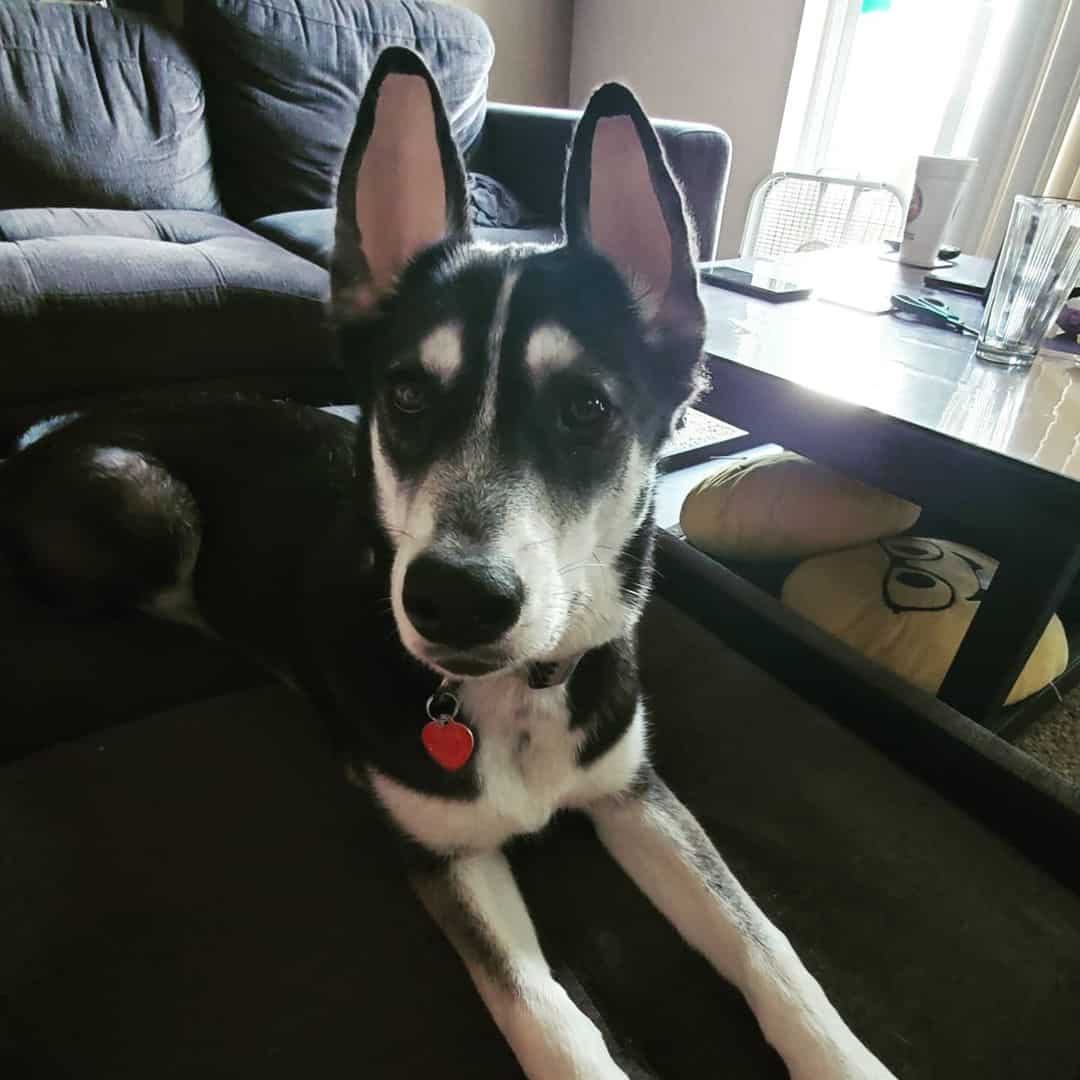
column 660, row 844
column 476, row 902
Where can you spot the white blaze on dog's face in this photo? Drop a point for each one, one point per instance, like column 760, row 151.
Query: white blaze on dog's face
column 515, row 398
column 532, row 457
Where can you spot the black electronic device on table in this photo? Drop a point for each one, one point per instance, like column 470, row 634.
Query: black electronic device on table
column 762, row 281
column 968, row 275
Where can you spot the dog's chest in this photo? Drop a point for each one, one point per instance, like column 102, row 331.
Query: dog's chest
column 526, row 765
column 527, row 752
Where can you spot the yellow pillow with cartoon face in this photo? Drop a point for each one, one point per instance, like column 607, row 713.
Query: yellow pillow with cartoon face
column 907, row 603
column 785, row 506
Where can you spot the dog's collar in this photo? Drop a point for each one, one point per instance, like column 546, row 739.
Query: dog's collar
column 541, row 675
column 450, row 741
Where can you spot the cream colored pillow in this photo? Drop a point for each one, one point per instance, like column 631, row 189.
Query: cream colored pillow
column 787, row 507
column 907, row 603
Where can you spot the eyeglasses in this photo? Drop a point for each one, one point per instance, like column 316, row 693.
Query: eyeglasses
column 913, row 583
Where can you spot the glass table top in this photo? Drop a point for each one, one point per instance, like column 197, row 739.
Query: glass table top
column 920, row 374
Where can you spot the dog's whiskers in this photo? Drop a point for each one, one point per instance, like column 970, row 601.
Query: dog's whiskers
column 534, row 543
column 564, row 570
column 623, row 554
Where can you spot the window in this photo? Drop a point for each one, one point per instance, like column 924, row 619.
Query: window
column 878, row 82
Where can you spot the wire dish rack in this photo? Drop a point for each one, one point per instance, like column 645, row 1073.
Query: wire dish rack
column 792, row 212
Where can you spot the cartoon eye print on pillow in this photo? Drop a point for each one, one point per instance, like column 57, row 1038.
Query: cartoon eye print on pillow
column 925, row 575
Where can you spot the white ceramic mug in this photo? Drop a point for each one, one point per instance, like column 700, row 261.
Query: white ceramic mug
column 938, row 184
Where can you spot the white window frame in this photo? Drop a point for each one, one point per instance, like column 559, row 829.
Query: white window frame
column 1016, row 140
column 821, row 54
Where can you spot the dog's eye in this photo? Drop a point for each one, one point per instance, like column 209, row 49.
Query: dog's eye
column 586, row 411
column 409, row 396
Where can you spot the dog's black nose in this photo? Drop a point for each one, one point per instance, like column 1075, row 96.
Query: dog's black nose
column 461, row 600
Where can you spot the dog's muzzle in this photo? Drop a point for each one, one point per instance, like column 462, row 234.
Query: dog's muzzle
column 461, row 600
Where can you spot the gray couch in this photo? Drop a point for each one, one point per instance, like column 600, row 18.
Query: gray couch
column 164, row 190
column 167, row 228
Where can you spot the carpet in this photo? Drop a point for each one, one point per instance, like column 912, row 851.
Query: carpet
column 1054, row 738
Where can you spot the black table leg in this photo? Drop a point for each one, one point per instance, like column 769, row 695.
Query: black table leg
column 1025, row 592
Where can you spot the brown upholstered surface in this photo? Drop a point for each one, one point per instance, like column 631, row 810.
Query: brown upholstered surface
column 194, row 894
column 61, row 677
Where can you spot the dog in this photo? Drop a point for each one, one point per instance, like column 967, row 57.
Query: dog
column 455, row 581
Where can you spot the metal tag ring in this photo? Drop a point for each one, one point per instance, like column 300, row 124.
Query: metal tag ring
column 443, row 705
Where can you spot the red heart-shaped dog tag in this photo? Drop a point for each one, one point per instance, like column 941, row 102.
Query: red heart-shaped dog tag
column 449, row 742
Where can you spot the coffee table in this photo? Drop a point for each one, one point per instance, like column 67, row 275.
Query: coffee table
column 910, row 409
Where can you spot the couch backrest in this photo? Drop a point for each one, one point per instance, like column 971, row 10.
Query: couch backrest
column 99, row 109
column 284, row 80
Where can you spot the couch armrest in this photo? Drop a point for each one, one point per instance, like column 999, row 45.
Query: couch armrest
column 525, row 148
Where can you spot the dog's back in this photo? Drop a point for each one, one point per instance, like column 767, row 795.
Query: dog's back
column 201, row 510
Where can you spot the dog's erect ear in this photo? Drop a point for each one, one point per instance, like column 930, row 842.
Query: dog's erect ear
column 402, row 184
column 622, row 201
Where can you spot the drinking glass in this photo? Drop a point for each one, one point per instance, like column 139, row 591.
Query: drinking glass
column 1035, row 272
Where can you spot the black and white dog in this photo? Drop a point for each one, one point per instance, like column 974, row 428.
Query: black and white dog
column 456, row 583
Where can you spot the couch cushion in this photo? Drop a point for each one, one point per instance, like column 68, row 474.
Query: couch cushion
column 310, row 233
column 97, row 300
column 284, row 81
column 204, row 883
column 62, row 677
column 99, row 109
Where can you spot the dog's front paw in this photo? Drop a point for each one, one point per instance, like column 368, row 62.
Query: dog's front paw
column 847, row 1059
column 554, row 1040
column 814, row 1040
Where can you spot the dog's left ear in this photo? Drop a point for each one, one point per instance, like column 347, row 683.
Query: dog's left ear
column 402, row 184
column 622, row 201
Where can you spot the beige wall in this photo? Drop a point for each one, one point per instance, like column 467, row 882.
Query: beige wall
column 532, row 48
column 723, row 62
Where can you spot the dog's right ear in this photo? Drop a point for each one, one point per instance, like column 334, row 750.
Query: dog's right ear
column 622, row 201
column 402, row 184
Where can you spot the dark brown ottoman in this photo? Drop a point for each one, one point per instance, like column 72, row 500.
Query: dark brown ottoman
column 195, row 894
